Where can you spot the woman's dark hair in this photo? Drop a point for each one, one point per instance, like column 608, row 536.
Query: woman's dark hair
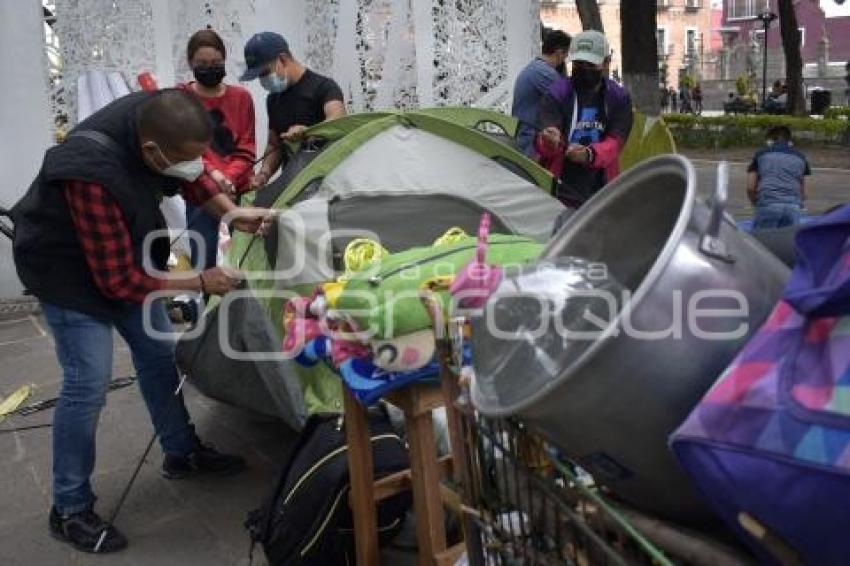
column 205, row 38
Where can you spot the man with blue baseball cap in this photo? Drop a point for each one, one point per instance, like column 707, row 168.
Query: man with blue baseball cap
column 298, row 97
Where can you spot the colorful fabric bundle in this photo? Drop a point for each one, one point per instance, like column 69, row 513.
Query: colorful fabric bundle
column 769, row 445
column 367, row 381
column 384, row 297
column 370, row 371
column 371, row 326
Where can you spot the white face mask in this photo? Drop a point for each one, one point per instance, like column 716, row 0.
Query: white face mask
column 186, row 170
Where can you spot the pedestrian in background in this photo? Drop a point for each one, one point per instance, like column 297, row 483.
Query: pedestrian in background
column 776, row 181
column 533, row 82
column 685, row 99
column 697, row 96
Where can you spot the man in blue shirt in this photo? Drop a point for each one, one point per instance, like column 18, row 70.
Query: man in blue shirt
column 776, row 181
column 533, row 82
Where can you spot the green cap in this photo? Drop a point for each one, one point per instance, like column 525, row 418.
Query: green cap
column 590, row 46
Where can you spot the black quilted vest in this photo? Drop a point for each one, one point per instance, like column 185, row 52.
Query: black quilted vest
column 103, row 149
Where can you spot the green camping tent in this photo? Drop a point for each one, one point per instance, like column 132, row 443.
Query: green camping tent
column 403, row 178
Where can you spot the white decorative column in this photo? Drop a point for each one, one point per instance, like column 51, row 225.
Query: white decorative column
column 423, row 22
column 346, row 60
column 400, row 53
column 470, row 47
column 24, row 113
column 111, row 35
column 162, row 38
column 286, row 17
column 523, row 19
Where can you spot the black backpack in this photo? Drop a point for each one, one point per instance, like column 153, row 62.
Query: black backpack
column 307, row 520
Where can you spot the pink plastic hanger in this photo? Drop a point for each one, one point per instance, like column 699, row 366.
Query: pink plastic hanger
column 477, row 280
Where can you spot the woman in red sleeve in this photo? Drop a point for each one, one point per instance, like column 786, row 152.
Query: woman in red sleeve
column 229, row 160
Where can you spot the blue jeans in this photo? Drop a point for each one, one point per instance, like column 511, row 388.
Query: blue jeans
column 206, row 226
column 776, row 216
column 84, row 349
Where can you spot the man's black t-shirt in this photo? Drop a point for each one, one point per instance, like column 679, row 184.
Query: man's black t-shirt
column 302, row 103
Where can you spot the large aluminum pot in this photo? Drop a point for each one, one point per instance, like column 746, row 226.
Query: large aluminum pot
column 614, row 406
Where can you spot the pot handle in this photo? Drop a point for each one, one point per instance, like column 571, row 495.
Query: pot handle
column 710, row 243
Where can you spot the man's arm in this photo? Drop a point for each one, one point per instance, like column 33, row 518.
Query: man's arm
column 271, row 162
column 551, row 113
column 551, row 121
column 204, row 192
column 602, row 154
column 245, row 219
column 752, row 186
column 274, row 153
column 606, row 151
column 542, row 81
column 753, row 177
column 332, row 99
column 108, row 249
column 334, row 109
column 804, row 187
column 240, row 163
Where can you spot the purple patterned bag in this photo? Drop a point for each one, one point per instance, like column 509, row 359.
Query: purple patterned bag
column 769, row 445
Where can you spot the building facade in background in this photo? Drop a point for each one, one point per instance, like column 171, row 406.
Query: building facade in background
column 687, row 34
column 824, row 33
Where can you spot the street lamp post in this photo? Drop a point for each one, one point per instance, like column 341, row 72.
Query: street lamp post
column 766, row 18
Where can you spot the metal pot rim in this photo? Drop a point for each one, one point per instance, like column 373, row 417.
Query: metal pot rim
column 575, row 223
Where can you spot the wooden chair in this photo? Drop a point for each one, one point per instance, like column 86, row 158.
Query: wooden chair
column 424, row 477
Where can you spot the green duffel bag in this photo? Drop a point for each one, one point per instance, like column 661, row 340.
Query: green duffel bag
column 383, row 298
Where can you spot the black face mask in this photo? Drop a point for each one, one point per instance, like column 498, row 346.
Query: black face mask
column 586, row 79
column 209, row 77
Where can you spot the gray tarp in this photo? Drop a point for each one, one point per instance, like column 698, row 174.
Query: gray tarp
column 268, row 387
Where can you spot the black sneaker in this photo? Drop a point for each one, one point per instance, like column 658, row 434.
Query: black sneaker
column 205, row 460
column 83, row 531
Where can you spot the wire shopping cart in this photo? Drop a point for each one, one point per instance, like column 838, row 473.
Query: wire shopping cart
column 524, row 503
